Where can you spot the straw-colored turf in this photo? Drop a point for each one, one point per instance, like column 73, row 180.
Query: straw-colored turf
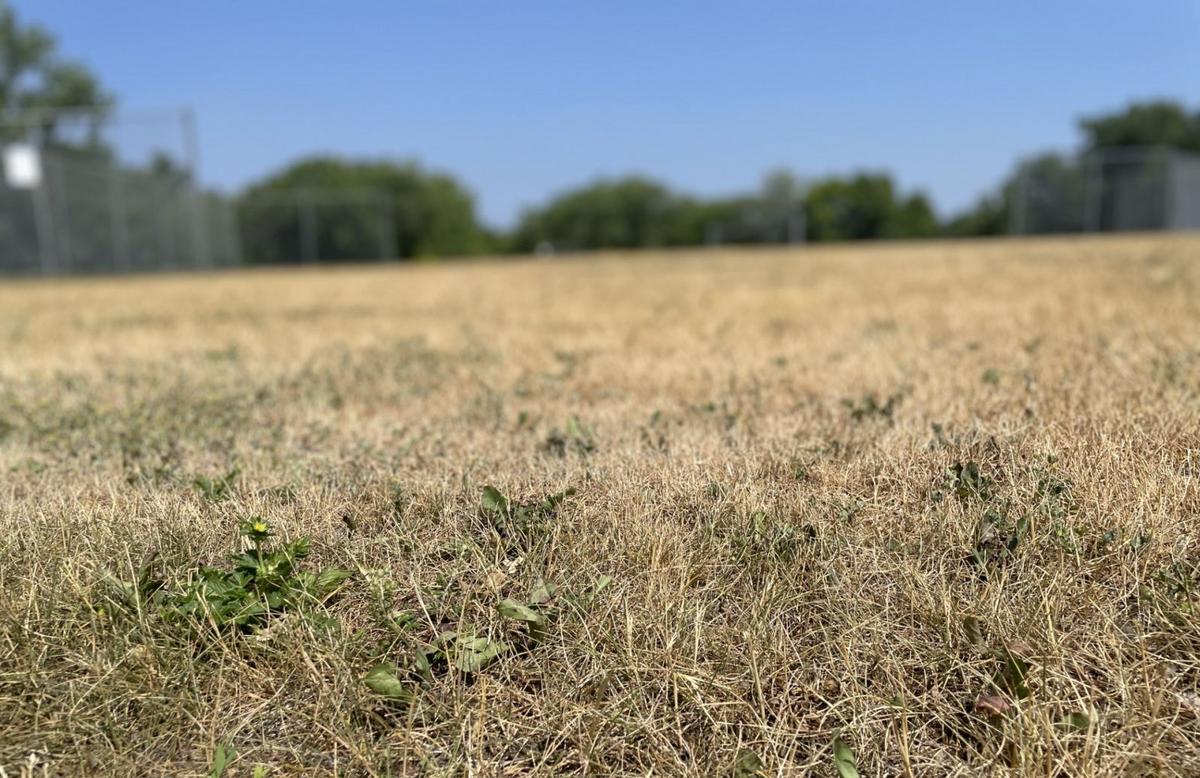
column 850, row 490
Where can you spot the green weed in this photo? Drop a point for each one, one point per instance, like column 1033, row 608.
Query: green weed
column 216, row 488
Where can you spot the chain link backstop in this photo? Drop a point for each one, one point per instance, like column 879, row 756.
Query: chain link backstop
column 88, row 192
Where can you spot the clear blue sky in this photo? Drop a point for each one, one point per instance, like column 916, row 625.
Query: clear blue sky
column 521, row 98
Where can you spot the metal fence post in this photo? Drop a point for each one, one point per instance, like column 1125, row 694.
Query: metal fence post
column 309, row 250
column 66, row 256
column 118, row 218
column 166, row 237
column 1168, row 216
column 202, row 250
column 1093, row 193
column 796, row 227
column 43, row 220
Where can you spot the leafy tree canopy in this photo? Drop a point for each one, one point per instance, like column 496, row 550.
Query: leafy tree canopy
column 622, row 213
column 349, row 202
column 1154, row 123
column 866, row 206
column 34, row 80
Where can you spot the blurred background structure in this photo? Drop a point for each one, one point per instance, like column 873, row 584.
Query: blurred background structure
column 90, row 187
column 85, row 192
column 1115, row 189
column 88, row 190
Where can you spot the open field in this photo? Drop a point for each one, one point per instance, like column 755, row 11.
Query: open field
column 938, row 499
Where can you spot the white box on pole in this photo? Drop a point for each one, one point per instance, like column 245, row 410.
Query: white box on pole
column 22, row 166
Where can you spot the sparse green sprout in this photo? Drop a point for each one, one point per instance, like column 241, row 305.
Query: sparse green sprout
column 1074, row 722
column 398, row 499
column 576, row 438
column 542, row 592
column 381, row 586
column 870, row 406
column 748, row 764
column 534, row 614
column 532, row 617
column 1013, row 677
column 973, row 631
column 223, row 756
column 469, row 653
column 772, row 540
column 1140, row 542
column 1053, row 494
column 520, row 523
column 384, row 680
column 1173, row 592
column 966, row 481
column 602, row 583
column 843, row 758
column 654, row 433
column 847, row 509
column 493, row 501
column 216, row 488
column 996, row 539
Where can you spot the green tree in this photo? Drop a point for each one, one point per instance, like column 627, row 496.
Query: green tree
column 726, row 220
column 773, row 214
column 782, row 198
column 989, row 216
column 912, row 217
column 357, row 209
column 866, row 206
column 631, row 212
column 1050, row 189
column 1154, row 123
column 34, row 81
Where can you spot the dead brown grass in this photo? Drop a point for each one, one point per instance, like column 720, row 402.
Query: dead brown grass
column 789, row 556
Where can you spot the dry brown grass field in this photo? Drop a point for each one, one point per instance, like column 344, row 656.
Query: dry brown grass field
column 936, row 500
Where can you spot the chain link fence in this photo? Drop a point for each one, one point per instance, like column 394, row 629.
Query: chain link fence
column 318, row 225
column 1183, row 203
column 1108, row 190
column 84, row 192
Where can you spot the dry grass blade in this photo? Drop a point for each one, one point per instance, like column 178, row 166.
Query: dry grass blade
column 685, row 514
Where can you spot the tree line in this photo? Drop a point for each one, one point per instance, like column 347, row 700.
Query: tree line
column 332, row 208
column 434, row 213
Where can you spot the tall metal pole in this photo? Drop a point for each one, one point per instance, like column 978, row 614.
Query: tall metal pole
column 66, row 259
column 43, row 219
column 191, row 151
column 796, row 226
column 166, row 230
column 119, row 220
column 1093, row 192
column 1169, row 176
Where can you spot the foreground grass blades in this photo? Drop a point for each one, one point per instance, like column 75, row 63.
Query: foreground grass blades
column 897, row 510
